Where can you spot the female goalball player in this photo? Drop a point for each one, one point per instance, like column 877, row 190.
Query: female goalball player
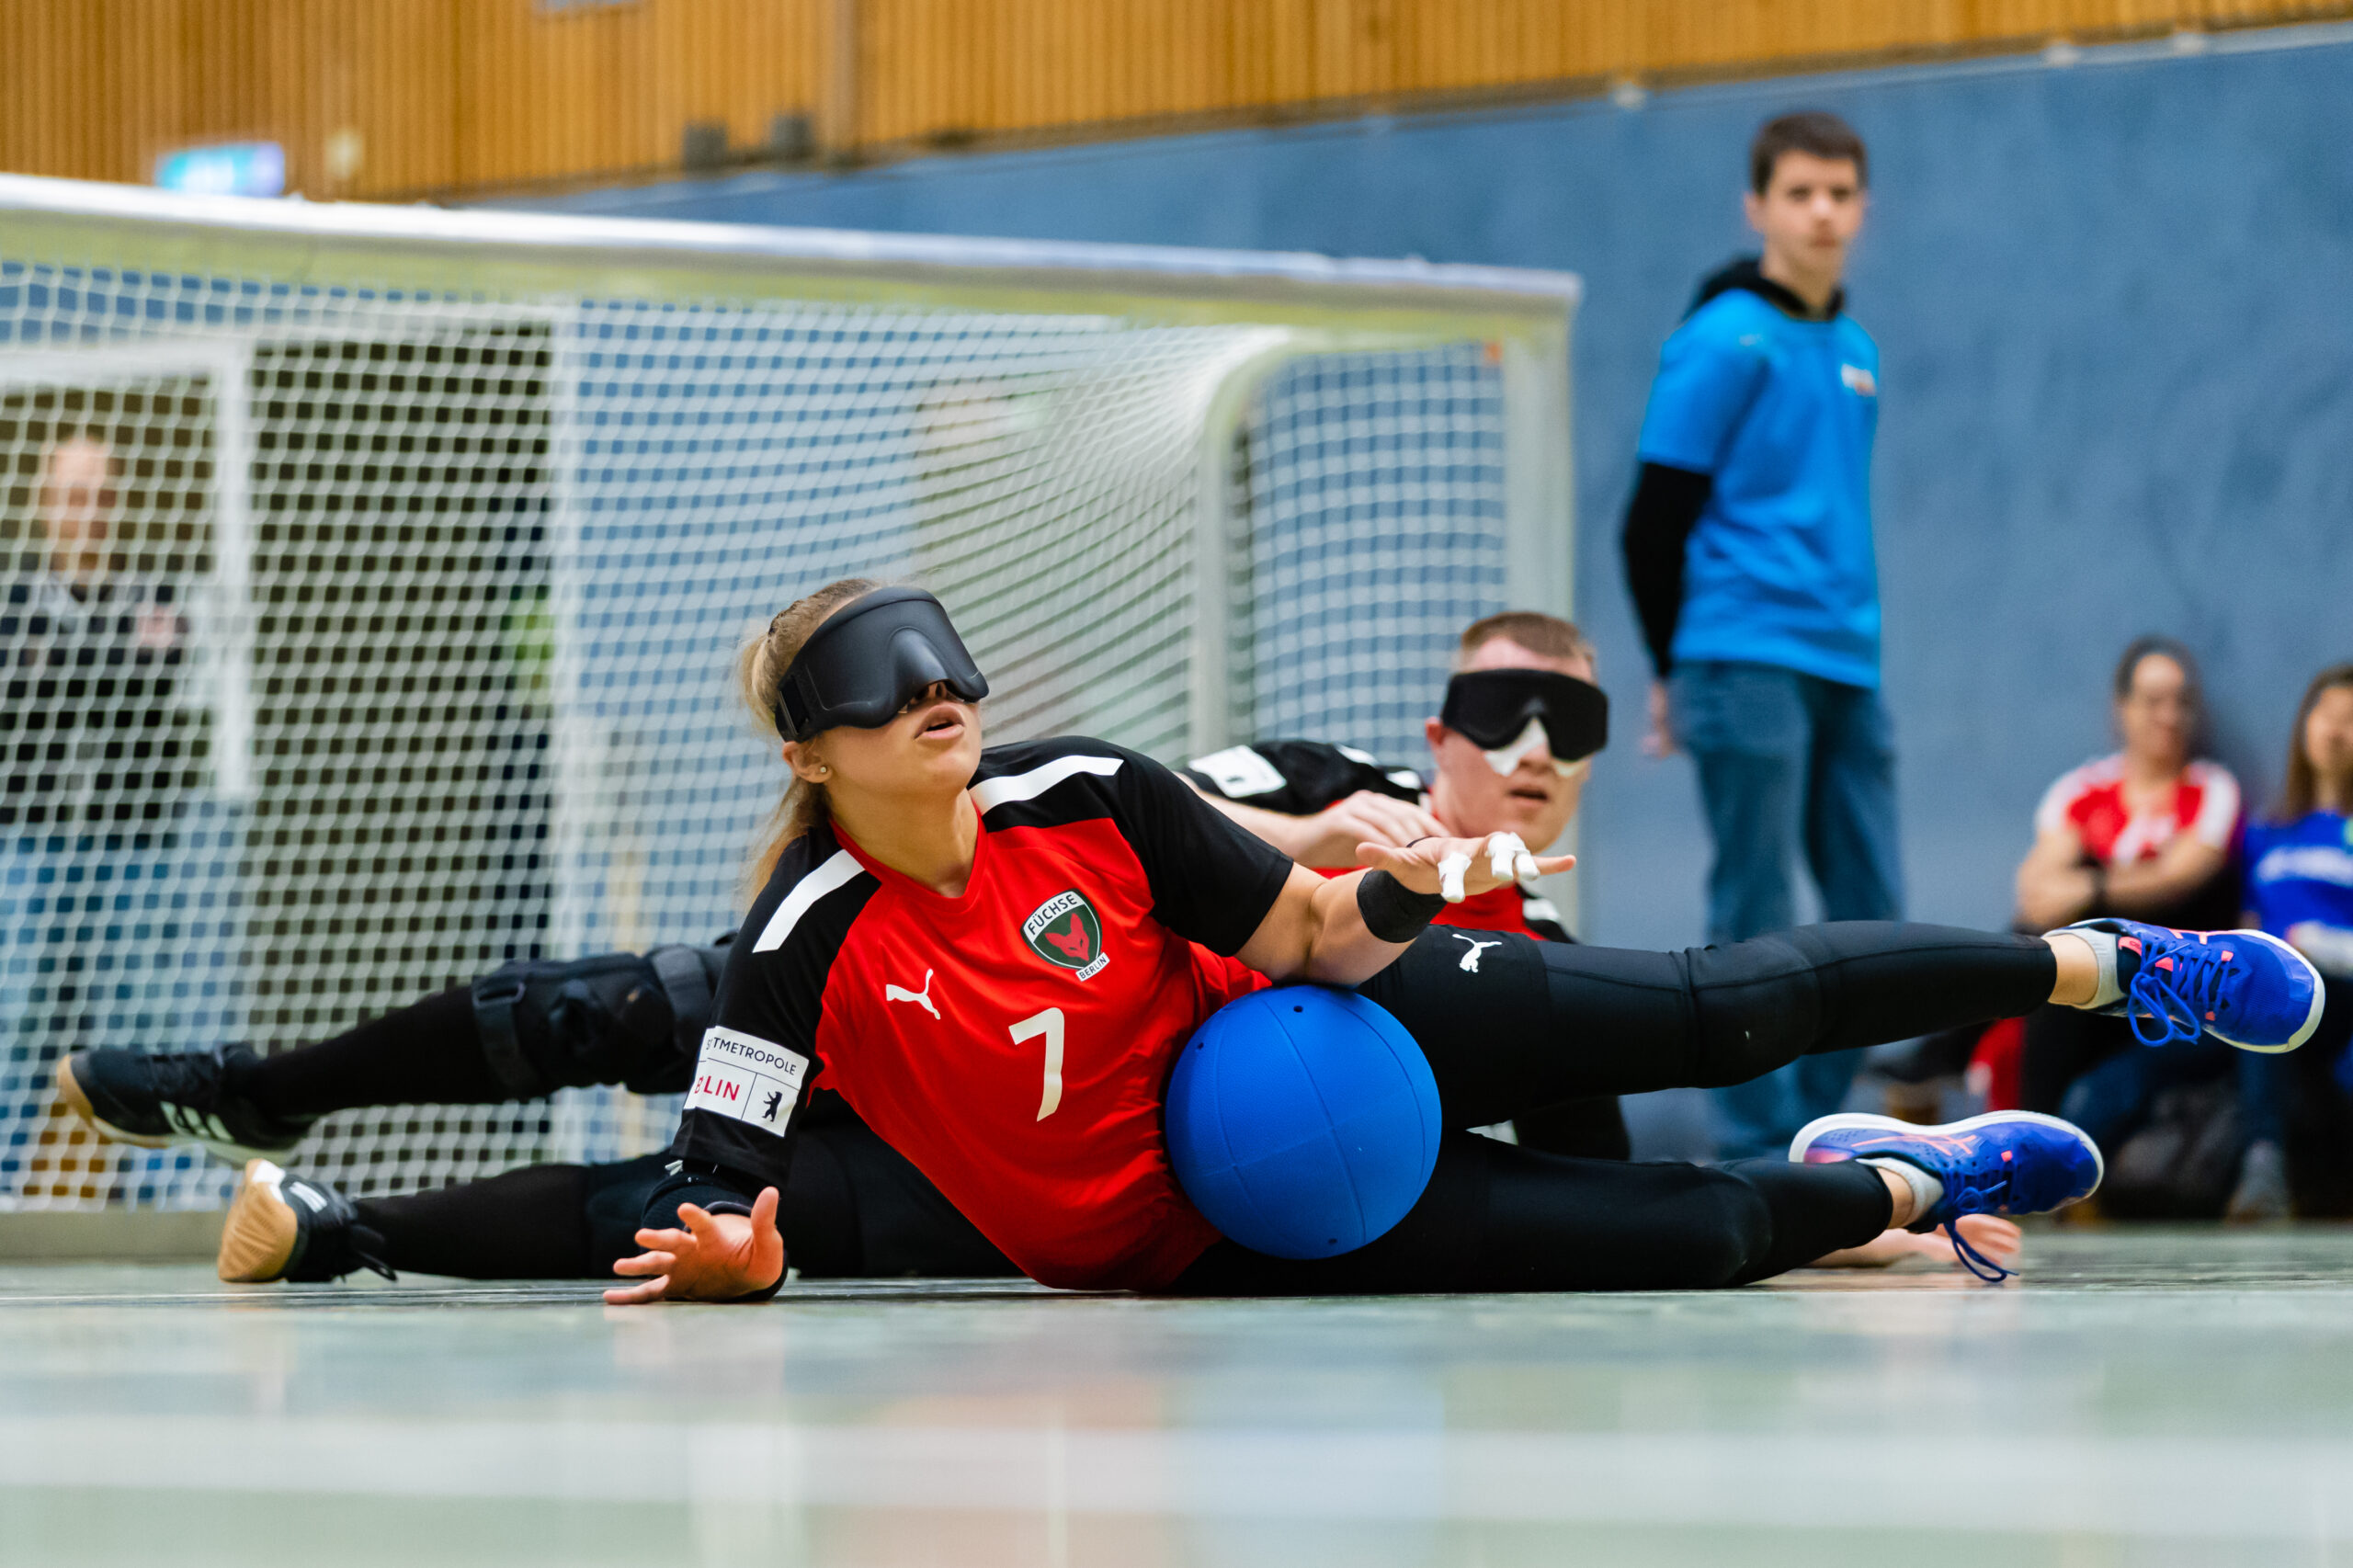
column 994, row 957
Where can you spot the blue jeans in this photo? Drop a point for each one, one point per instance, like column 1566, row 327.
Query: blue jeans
column 1789, row 764
column 2112, row 1101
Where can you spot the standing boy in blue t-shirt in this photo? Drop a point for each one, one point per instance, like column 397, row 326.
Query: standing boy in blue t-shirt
column 1748, row 549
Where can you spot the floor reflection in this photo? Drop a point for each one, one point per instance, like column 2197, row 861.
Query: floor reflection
column 2153, row 1396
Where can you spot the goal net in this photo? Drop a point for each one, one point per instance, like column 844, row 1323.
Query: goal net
column 374, row 575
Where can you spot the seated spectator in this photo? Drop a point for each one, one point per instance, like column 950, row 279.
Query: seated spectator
column 2300, row 887
column 2149, row 834
column 2146, row 833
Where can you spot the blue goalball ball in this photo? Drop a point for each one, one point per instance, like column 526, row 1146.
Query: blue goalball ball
column 1303, row 1122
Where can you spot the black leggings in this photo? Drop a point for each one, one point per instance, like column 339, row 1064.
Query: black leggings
column 852, row 1207
column 1538, row 1023
column 1542, row 1022
column 1499, row 1218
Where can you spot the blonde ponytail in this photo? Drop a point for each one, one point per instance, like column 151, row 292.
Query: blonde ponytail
column 760, row 664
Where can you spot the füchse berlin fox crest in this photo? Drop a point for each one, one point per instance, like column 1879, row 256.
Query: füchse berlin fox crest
column 1066, row 932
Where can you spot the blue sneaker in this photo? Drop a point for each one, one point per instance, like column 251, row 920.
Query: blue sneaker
column 2245, row 988
column 2005, row 1162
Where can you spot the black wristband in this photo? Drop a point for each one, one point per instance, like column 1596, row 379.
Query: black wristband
column 1393, row 911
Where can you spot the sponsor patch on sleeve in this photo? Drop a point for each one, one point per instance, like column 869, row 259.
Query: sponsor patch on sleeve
column 746, row 1077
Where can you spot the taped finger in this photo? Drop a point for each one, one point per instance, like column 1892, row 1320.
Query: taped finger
column 1504, row 851
column 1450, row 872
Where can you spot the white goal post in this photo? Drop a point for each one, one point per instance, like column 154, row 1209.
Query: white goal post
column 397, row 641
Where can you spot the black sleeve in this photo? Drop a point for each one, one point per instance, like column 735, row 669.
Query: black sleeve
column 1298, row 778
column 1667, row 506
column 755, row 1067
column 1211, row 881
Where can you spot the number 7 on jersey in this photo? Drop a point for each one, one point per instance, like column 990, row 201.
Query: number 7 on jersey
column 1050, row 1023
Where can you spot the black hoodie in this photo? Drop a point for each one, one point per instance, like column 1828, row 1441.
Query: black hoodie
column 1746, row 272
column 1668, row 501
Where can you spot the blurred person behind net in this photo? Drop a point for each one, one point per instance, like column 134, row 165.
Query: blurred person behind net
column 96, row 760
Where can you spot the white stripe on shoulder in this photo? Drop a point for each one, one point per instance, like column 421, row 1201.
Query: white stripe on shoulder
column 2218, row 806
column 990, row 794
column 838, row 870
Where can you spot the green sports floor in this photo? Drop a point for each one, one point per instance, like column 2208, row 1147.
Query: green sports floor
column 2141, row 1396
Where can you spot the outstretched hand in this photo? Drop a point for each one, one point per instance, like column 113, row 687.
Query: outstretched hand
column 1457, row 868
column 717, row 1258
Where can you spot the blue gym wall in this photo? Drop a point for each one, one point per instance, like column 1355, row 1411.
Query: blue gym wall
column 2112, row 301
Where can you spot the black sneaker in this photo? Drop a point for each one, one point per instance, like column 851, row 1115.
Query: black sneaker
column 190, row 1096
column 283, row 1226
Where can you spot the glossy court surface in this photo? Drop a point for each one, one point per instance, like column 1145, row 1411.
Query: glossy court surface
column 2141, row 1396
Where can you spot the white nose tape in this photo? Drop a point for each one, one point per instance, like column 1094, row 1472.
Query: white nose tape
column 1505, row 761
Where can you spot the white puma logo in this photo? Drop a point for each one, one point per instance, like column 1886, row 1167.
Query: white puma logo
column 1471, row 958
column 920, row 998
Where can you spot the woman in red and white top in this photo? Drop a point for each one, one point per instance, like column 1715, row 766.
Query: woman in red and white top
column 2147, row 833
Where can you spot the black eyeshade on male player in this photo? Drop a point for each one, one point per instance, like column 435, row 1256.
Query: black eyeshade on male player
column 1504, row 709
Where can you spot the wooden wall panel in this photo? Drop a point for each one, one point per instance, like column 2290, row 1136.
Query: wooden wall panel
column 403, row 98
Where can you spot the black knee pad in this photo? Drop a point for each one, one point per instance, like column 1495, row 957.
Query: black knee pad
column 550, row 1024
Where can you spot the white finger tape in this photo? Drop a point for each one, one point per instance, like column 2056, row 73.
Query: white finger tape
column 1504, row 852
column 1450, row 872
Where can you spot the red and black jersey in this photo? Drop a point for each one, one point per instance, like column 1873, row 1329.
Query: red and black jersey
column 1300, row 778
column 1015, row 1042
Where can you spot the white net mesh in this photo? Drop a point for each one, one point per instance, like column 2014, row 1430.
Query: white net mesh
column 1375, row 533
column 406, row 649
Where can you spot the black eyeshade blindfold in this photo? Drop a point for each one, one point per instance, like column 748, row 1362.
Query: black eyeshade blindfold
column 869, row 660
column 1494, row 707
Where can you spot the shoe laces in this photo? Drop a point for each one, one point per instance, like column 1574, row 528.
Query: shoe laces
column 1977, row 1201
column 2168, row 1003
column 194, row 1079
column 1976, row 1262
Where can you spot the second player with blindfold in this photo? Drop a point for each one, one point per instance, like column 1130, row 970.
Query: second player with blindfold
column 1509, row 751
